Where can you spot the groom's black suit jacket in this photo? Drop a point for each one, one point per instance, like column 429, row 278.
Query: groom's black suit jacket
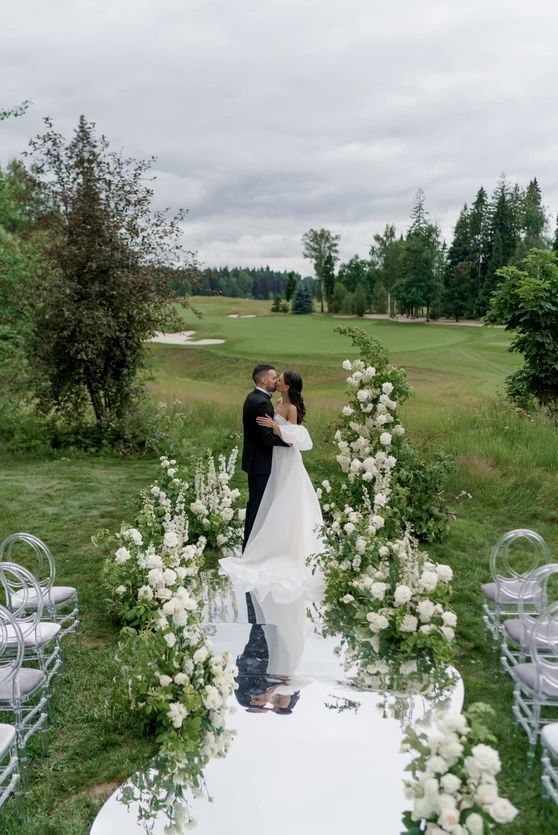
column 258, row 440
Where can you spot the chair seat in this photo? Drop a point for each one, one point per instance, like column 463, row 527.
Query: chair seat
column 7, row 738
column 528, row 676
column 519, row 634
column 549, row 736
column 51, row 597
column 508, row 591
column 29, row 680
column 43, row 634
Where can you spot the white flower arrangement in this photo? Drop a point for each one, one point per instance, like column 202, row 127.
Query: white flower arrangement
column 213, row 506
column 384, row 595
column 453, row 785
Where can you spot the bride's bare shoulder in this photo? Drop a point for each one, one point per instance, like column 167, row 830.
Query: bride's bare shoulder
column 292, row 413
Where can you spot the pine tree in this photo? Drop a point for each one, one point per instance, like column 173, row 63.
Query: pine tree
column 534, row 219
column 290, row 286
column 458, row 298
column 479, row 230
column 421, row 286
column 302, row 301
column 555, row 240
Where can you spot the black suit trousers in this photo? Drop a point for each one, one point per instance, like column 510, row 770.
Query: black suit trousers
column 256, row 488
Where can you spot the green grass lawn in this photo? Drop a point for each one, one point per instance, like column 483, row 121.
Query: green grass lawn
column 508, row 463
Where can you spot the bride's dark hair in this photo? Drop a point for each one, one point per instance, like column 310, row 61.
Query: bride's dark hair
column 294, row 382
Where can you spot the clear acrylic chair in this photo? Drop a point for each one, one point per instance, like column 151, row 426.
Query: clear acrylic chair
column 549, row 740
column 516, row 554
column 9, row 763
column 40, row 638
column 60, row 603
column 533, row 597
column 535, row 694
column 23, row 690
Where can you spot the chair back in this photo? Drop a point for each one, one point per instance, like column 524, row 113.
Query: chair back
column 10, row 662
column 28, row 550
column 545, row 655
column 535, row 593
column 514, row 558
column 21, row 589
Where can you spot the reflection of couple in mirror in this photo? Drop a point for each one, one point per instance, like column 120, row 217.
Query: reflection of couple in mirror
column 270, row 657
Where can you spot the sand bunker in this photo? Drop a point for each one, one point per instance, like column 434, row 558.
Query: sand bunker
column 183, row 338
column 241, row 316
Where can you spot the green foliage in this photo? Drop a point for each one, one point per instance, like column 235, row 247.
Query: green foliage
column 526, row 301
column 339, row 293
column 276, row 304
column 291, row 285
column 321, row 247
column 107, row 290
column 360, row 300
column 302, row 301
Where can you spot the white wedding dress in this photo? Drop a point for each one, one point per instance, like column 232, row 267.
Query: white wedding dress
column 286, row 529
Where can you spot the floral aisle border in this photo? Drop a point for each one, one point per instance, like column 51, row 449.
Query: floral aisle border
column 169, row 677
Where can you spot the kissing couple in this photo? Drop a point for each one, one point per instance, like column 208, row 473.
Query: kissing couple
column 283, row 515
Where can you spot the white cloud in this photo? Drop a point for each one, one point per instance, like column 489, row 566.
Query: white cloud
column 271, row 116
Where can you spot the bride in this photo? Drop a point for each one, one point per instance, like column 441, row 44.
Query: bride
column 274, row 566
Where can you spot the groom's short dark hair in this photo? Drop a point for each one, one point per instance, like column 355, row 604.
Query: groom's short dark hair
column 260, row 371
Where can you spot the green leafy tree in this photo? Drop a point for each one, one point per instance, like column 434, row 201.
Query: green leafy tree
column 339, row 293
column 276, row 304
column 108, row 289
column 317, row 245
column 302, row 300
column 526, row 301
column 348, row 304
column 360, row 300
column 358, row 271
column 386, row 257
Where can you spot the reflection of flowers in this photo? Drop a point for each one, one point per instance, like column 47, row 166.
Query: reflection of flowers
column 454, row 777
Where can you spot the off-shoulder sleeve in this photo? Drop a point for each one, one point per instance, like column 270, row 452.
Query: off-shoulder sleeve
column 296, row 436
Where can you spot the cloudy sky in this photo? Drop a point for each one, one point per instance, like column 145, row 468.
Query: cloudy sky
column 269, row 117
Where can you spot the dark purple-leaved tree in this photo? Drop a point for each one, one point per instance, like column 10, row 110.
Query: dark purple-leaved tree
column 107, row 287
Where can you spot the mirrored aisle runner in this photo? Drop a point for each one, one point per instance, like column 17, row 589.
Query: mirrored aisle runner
column 314, row 753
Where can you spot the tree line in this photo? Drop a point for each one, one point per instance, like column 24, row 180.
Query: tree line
column 416, row 273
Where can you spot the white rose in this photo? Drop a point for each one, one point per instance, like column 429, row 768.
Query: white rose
column 165, row 680
column 385, row 439
column 378, row 590
column 170, row 539
column 425, row 610
column 448, row 633
column 428, row 580
column 474, row 824
column 387, row 388
column 349, row 528
column 170, row 638
column 398, row 430
column 449, row 819
column 145, row 593
column 487, row 758
column 436, row 765
column 378, row 521
column 383, row 550
column 134, row 535
column 177, row 714
column 180, row 679
column 347, row 365
column 347, row 411
column 155, row 490
column 122, row 556
column 120, row 590
column 377, row 622
column 449, row 619
column 360, row 545
column 200, row 655
column 445, row 573
column 155, row 577
column 402, row 595
column 486, row 794
column 169, row 576
column 502, row 810
column 450, row 783
column 409, row 624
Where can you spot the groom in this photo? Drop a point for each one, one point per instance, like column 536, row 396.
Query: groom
column 258, row 441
